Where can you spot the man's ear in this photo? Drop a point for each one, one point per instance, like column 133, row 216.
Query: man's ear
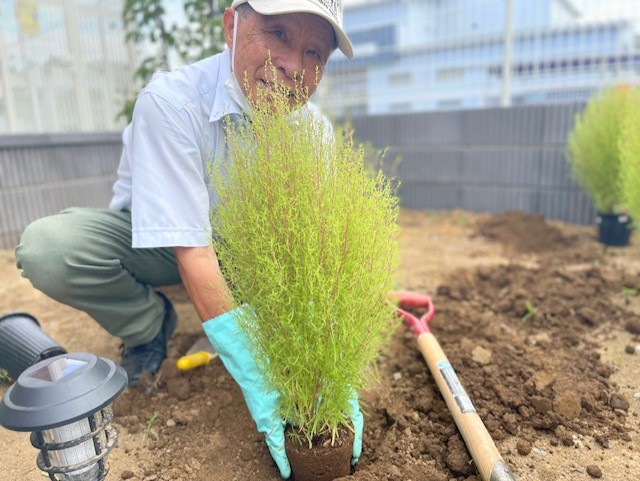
column 227, row 23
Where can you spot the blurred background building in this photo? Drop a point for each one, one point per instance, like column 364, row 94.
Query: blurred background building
column 425, row 55
column 64, row 66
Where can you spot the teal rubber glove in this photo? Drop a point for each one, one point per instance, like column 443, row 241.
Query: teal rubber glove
column 232, row 347
column 358, row 423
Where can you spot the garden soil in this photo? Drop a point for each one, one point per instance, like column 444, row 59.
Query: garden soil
column 540, row 321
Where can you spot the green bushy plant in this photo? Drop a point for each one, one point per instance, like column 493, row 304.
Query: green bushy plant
column 309, row 241
column 593, row 148
column 630, row 159
column 375, row 159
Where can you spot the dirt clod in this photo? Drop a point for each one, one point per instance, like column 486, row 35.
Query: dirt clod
column 633, row 327
column 541, row 404
column 567, row 405
column 458, row 459
column 618, row 401
column 594, row 471
column 542, row 380
column 481, row 355
column 127, row 474
column 523, row 447
column 522, row 232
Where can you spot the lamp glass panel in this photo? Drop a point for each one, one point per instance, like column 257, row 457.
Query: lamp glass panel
column 76, row 454
column 58, row 369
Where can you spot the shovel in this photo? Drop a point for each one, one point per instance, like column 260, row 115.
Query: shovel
column 476, row 437
column 199, row 354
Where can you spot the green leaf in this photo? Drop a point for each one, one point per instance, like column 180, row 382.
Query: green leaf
column 146, row 23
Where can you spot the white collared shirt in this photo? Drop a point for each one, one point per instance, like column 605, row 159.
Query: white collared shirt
column 177, row 130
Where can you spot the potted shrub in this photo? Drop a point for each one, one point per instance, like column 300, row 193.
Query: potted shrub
column 308, row 240
column 630, row 159
column 594, row 154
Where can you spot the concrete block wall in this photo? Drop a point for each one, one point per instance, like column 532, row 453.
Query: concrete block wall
column 484, row 160
column 479, row 160
column 43, row 174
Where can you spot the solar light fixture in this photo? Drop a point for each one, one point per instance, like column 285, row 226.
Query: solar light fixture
column 65, row 402
column 23, row 343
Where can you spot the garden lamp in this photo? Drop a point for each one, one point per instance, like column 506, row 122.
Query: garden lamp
column 65, row 402
column 23, row 343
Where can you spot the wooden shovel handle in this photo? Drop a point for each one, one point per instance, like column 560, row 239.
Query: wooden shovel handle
column 478, row 440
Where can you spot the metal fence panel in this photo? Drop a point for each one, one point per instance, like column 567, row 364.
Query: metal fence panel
column 447, row 160
column 483, row 160
column 41, row 175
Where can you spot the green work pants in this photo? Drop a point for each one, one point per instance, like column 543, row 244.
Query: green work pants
column 83, row 258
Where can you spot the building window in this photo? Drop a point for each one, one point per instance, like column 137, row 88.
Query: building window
column 400, row 78
column 450, row 74
column 356, row 110
column 451, row 104
column 400, row 107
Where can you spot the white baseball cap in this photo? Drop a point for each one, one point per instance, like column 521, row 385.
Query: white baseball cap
column 331, row 10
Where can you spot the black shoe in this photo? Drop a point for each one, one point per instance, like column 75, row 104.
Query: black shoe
column 148, row 357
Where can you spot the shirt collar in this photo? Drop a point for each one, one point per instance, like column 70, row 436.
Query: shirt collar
column 223, row 104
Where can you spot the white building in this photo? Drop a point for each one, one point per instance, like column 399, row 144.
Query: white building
column 424, row 55
column 64, row 66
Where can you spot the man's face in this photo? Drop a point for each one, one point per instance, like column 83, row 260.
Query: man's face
column 298, row 46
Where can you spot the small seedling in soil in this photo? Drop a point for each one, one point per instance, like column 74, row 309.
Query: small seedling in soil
column 150, row 422
column 531, row 310
column 629, row 291
column 462, row 221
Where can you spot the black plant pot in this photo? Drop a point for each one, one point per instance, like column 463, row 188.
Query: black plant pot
column 614, row 229
column 23, row 343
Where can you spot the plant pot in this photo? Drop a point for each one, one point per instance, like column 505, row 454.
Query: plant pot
column 614, row 229
column 321, row 462
column 23, row 343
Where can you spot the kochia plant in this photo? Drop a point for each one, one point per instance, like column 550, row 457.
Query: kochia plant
column 593, row 148
column 630, row 159
column 308, row 240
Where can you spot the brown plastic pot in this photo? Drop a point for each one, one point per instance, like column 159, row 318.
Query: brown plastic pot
column 323, row 461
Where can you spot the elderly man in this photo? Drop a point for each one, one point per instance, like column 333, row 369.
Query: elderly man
column 157, row 231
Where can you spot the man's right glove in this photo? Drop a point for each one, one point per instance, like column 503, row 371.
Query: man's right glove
column 232, row 346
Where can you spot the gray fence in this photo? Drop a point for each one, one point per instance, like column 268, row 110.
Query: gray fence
column 43, row 174
column 483, row 160
column 479, row 160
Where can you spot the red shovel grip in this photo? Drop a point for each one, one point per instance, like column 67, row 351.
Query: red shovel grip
column 413, row 300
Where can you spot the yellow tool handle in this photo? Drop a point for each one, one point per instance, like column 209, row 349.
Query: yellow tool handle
column 478, row 440
column 196, row 359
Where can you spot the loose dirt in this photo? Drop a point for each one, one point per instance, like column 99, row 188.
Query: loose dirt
column 539, row 320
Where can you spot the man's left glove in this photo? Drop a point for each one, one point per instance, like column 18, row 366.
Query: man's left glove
column 232, row 346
